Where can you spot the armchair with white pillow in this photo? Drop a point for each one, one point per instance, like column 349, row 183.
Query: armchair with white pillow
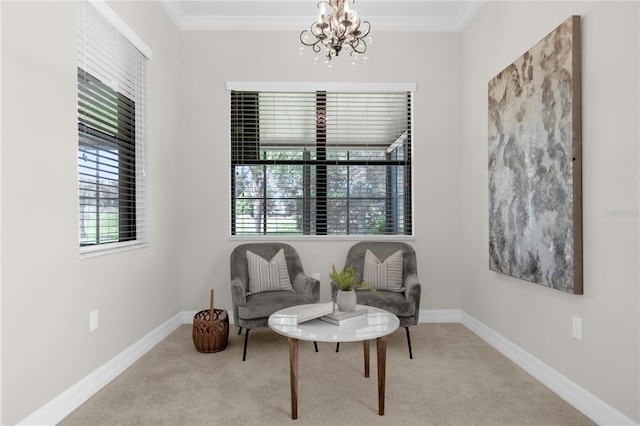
column 267, row 277
column 391, row 268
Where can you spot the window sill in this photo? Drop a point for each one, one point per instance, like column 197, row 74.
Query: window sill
column 323, row 237
column 105, row 249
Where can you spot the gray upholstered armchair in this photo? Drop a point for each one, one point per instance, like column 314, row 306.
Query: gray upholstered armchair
column 405, row 304
column 252, row 309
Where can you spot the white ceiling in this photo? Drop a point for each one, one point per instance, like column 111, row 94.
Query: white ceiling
column 384, row 15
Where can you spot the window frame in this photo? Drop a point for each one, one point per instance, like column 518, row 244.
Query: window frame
column 109, row 24
column 328, row 87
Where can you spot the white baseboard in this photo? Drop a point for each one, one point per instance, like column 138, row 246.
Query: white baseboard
column 426, row 315
column 187, row 316
column 597, row 410
column 591, row 406
column 61, row 406
column 439, row 315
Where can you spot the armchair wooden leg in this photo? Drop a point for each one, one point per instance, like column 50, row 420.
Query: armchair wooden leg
column 239, row 331
column 315, row 345
column 246, row 338
column 338, row 347
column 409, row 342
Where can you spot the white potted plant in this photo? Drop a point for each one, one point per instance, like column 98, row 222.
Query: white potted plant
column 347, row 282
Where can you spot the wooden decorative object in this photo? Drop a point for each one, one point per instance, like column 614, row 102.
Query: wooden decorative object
column 211, row 329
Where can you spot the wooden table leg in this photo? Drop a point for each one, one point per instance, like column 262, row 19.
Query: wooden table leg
column 365, row 346
column 381, row 343
column 293, row 367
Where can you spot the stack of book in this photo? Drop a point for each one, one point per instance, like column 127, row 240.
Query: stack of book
column 315, row 310
column 344, row 318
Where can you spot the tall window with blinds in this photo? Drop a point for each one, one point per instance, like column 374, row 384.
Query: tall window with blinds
column 111, row 134
column 321, row 163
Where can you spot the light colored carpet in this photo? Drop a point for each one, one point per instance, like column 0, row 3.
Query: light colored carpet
column 454, row 379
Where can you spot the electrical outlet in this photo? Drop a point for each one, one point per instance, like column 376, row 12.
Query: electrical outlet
column 577, row 328
column 316, row 275
column 93, row 321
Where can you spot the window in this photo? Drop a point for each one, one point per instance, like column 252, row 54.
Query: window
column 111, row 131
column 324, row 162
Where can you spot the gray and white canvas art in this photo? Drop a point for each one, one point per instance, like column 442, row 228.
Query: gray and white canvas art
column 535, row 196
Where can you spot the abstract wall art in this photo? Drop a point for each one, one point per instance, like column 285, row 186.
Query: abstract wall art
column 535, row 165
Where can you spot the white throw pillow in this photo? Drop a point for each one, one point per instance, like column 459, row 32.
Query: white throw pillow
column 385, row 275
column 270, row 275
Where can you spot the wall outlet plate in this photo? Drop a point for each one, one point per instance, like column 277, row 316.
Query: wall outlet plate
column 577, row 328
column 93, row 321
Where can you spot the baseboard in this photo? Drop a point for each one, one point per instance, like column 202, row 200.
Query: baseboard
column 61, row 406
column 439, row 315
column 187, row 316
column 426, row 316
column 591, row 406
column 597, row 410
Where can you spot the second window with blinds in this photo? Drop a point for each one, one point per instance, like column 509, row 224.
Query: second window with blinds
column 322, row 162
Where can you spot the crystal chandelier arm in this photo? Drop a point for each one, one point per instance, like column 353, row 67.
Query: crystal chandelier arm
column 358, row 46
column 340, row 35
column 315, row 45
column 366, row 30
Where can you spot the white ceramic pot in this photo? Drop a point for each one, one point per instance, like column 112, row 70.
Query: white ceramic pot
column 346, row 300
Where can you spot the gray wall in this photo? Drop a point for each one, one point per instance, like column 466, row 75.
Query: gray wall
column 537, row 318
column 47, row 291
column 432, row 60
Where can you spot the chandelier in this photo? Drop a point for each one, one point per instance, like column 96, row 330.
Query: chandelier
column 338, row 27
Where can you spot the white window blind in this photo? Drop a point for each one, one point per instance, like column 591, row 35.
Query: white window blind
column 112, row 98
column 321, row 162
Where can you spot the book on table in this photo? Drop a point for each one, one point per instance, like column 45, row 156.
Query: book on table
column 344, row 318
column 315, row 310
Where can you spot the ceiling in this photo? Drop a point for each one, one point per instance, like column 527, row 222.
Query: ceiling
column 384, row 15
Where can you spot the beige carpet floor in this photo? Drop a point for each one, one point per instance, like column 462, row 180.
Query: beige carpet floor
column 455, row 378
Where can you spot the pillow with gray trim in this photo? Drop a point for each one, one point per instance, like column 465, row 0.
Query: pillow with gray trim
column 385, row 275
column 271, row 275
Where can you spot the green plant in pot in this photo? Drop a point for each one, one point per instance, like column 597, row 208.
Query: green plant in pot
column 347, row 281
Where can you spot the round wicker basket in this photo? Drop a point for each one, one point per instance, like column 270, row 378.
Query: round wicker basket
column 211, row 329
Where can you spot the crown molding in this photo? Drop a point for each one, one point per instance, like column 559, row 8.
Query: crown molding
column 299, row 23
column 274, row 86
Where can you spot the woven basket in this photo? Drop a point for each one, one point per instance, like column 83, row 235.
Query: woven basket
column 211, row 329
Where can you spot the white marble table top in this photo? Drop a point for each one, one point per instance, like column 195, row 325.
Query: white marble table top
column 377, row 324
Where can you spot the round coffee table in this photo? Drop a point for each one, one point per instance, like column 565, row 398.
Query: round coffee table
column 377, row 325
